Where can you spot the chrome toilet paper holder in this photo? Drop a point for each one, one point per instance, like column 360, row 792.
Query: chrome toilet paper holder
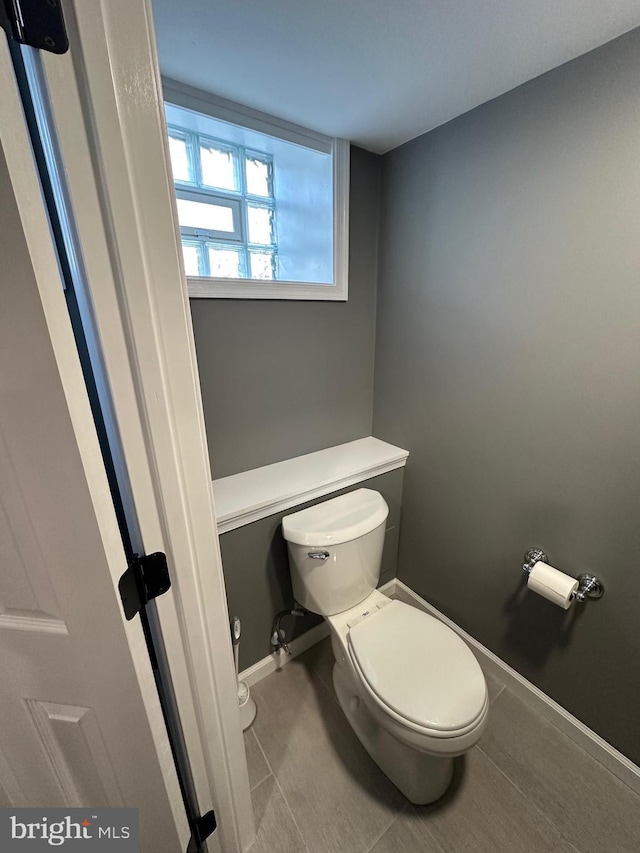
column 588, row 585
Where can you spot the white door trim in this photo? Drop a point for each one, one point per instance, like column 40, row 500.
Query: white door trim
column 106, row 103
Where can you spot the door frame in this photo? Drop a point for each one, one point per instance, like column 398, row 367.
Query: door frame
column 105, row 103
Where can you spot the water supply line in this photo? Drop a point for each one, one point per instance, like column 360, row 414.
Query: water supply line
column 278, row 640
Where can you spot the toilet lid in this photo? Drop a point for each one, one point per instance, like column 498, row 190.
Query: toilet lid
column 419, row 668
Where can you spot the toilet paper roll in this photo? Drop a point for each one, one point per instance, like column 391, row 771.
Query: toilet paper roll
column 552, row 584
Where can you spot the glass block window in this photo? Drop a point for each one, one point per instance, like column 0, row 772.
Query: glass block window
column 226, row 207
column 262, row 204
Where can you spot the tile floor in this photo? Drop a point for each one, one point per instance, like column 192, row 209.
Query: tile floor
column 526, row 788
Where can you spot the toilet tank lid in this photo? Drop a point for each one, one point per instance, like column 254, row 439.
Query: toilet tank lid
column 337, row 520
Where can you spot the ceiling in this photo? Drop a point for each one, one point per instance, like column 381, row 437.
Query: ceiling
column 376, row 72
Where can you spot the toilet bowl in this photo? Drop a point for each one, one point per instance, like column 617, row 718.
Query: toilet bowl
column 409, row 686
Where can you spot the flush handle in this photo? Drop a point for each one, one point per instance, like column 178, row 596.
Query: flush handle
column 319, row 555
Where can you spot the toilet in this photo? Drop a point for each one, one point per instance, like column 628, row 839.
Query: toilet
column 409, row 686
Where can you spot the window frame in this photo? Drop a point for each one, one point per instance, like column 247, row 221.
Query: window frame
column 219, row 200
column 187, row 97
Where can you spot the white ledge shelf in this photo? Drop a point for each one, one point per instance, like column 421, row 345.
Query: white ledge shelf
column 243, row 498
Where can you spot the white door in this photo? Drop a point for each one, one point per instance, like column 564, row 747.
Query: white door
column 104, row 101
column 80, row 724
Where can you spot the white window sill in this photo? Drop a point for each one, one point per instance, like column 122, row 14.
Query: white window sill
column 245, row 288
column 243, row 498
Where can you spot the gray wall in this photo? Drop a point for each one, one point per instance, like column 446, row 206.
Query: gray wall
column 508, row 363
column 280, row 379
column 256, row 569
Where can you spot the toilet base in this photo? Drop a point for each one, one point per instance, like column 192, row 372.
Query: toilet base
column 420, row 777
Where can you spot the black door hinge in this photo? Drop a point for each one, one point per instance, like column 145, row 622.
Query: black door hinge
column 38, row 23
column 146, row 578
column 201, row 829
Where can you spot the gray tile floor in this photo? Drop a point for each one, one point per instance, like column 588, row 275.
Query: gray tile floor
column 526, row 787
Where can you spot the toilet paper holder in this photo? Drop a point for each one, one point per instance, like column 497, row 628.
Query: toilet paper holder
column 588, row 585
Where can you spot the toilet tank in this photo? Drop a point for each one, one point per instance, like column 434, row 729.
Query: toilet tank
column 335, row 550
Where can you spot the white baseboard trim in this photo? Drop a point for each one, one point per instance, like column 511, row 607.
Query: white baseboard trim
column 277, row 660
column 595, row 746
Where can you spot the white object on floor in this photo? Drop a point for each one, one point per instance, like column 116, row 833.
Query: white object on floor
column 410, row 688
column 247, row 704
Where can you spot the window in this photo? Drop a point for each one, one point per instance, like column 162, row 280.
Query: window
column 262, row 205
column 226, row 207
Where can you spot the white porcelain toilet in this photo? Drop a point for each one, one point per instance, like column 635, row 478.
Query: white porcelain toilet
column 410, row 687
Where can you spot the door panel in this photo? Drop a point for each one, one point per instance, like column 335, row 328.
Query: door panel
column 81, row 725
column 27, row 598
column 76, row 754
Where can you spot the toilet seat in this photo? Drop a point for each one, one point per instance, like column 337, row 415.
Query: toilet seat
column 418, row 672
